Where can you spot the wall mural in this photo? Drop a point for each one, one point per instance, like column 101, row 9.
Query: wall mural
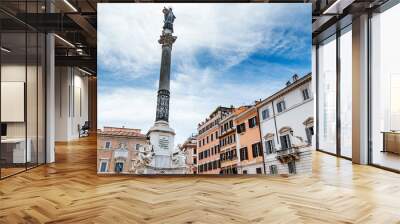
column 231, row 91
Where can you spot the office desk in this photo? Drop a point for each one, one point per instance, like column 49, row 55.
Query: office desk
column 391, row 141
column 13, row 150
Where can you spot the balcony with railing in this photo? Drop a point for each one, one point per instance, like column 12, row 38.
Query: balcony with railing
column 228, row 159
column 288, row 154
column 121, row 154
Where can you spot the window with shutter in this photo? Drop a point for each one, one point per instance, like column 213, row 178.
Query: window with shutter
column 285, row 142
column 254, row 150
column 238, row 129
column 265, row 114
column 107, row 145
column 269, row 146
column 306, row 94
column 252, row 122
column 273, row 169
column 281, row 106
column 260, row 151
column 103, row 167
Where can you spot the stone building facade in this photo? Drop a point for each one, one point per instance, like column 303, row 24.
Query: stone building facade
column 117, row 149
column 189, row 149
column 248, row 144
column 287, row 128
column 208, row 148
column 227, row 140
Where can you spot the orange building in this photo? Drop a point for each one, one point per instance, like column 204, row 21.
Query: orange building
column 227, row 141
column 248, row 142
column 208, row 148
column 117, row 149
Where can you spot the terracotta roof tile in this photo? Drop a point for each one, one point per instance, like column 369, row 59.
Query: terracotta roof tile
column 128, row 132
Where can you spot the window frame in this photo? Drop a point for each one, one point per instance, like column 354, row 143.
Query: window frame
column 244, row 153
column 307, row 95
column 285, row 138
column 265, row 114
column 105, row 145
column 252, row 122
column 281, row 106
column 122, row 169
column 100, row 167
column 272, row 148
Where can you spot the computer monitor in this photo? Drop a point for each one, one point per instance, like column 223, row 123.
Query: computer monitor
column 3, row 129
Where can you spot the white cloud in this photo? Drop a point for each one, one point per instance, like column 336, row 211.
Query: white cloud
column 128, row 33
column 128, row 49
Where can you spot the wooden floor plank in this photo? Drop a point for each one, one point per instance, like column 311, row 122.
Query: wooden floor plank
column 69, row 191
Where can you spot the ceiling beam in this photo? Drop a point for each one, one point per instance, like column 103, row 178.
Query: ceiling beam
column 78, row 61
column 86, row 26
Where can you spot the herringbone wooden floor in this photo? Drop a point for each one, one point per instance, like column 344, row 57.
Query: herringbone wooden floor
column 69, row 191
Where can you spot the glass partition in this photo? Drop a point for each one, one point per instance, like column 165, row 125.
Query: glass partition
column 13, row 109
column 22, row 77
column 385, row 89
column 327, row 95
column 346, row 92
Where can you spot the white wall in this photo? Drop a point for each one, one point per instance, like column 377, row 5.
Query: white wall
column 71, row 102
column 297, row 112
column 33, row 125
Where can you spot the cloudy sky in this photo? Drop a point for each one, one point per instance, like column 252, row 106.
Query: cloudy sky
column 225, row 54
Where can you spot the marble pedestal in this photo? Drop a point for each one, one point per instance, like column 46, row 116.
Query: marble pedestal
column 162, row 139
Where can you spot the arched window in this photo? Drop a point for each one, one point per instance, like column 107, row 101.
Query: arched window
column 269, row 136
column 309, row 122
column 285, row 130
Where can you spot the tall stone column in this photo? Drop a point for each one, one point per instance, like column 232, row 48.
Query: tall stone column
column 166, row 40
column 161, row 135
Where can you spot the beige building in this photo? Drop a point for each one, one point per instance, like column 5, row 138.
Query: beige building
column 117, row 149
column 189, row 148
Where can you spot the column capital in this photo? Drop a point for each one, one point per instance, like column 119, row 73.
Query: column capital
column 166, row 39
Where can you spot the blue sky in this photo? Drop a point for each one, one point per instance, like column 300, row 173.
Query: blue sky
column 225, row 54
